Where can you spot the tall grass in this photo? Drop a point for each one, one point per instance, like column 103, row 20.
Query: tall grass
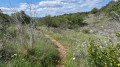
column 21, row 45
column 19, row 53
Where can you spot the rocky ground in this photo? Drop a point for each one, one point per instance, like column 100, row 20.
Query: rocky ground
column 102, row 24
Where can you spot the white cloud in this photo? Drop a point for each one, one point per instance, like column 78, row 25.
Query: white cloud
column 55, row 7
column 90, row 3
column 69, row 6
column 33, row 6
column 9, row 10
column 62, row 0
column 52, row 3
column 115, row 0
column 23, row 6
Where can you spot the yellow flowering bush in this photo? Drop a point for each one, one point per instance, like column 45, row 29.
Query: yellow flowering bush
column 100, row 56
column 117, row 34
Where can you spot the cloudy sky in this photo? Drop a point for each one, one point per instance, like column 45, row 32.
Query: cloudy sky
column 42, row 8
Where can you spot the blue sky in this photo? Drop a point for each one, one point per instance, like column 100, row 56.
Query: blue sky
column 41, row 8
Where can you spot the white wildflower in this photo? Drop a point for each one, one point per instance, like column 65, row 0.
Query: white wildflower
column 117, row 42
column 73, row 58
column 15, row 54
column 105, row 41
column 100, row 46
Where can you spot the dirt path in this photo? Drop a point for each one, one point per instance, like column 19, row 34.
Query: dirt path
column 60, row 48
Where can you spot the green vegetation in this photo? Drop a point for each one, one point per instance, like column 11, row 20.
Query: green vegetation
column 21, row 17
column 4, row 19
column 67, row 21
column 85, row 31
column 47, row 20
column 87, row 36
column 15, row 53
column 76, row 20
column 94, row 10
column 23, row 46
column 76, row 43
column 104, row 55
column 112, row 9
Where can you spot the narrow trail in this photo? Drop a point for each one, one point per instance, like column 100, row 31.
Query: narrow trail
column 60, row 48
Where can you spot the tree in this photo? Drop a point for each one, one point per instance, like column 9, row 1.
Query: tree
column 94, row 10
column 1, row 11
column 4, row 19
column 21, row 17
column 59, row 22
column 47, row 20
column 77, row 19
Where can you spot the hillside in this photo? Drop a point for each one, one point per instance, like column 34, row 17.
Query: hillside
column 102, row 21
column 89, row 44
column 107, row 20
column 83, row 39
column 74, row 20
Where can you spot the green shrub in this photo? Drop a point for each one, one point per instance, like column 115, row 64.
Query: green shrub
column 17, row 54
column 21, row 17
column 100, row 56
column 64, row 21
column 77, row 20
column 94, row 10
column 47, row 20
column 4, row 19
column 85, row 31
column 112, row 9
column 117, row 34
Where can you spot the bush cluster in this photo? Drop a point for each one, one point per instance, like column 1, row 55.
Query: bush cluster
column 21, row 17
column 117, row 34
column 94, row 10
column 85, row 31
column 100, row 56
column 112, row 9
column 64, row 21
column 17, row 53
